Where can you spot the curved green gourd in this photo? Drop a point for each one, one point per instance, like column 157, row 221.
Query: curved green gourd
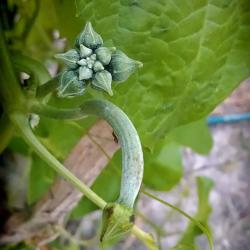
column 132, row 160
column 132, row 156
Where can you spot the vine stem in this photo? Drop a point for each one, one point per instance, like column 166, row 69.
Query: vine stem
column 6, row 132
column 203, row 228
column 10, row 91
column 21, row 123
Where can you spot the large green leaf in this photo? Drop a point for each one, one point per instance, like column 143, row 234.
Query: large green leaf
column 194, row 53
column 163, row 167
column 195, row 135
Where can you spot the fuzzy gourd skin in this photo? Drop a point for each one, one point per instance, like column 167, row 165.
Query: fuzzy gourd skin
column 117, row 217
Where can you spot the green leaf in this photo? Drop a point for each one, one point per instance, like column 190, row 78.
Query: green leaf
column 194, row 54
column 204, row 187
column 195, row 135
column 163, row 167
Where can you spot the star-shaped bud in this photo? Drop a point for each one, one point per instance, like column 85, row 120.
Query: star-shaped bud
column 102, row 80
column 89, row 37
column 104, row 54
column 70, row 58
column 69, row 85
column 92, row 64
column 122, row 66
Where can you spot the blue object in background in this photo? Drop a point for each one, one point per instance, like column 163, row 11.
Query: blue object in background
column 220, row 119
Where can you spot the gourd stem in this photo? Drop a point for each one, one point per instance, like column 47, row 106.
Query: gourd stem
column 56, row 113
column 132, row 156
column 21, row 123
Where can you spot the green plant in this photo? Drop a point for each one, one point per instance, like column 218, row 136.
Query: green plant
column 175, row 40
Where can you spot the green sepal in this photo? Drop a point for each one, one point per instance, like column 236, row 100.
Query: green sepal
column 117, row 221
column 69, row 85
column 89, row 37
column 104, row 54
column 122, row 66
column 102, row 81
column 70, row 58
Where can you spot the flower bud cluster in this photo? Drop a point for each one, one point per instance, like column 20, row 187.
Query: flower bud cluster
column 89, row 63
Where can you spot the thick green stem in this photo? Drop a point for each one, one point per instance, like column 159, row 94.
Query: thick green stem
column 21, row 123
column 132, row 156
column 10, row 91
column 60, row 114
column 6, row 132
